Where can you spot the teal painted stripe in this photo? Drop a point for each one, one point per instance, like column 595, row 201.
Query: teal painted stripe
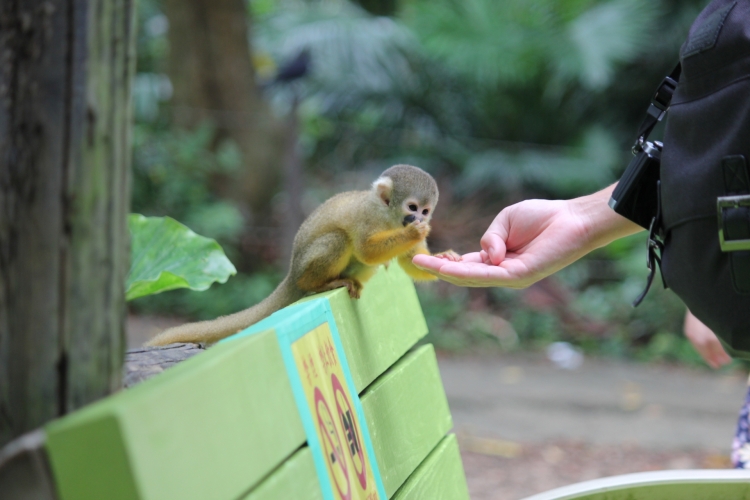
column 291, row 324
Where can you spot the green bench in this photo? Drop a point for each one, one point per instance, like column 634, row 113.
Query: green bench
column 659, row 485
column 224, row 424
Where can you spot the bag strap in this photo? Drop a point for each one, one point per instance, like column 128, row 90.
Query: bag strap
column 658, row 107
column 656, row 111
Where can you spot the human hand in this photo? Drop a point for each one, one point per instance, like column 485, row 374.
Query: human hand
column 531, row 240
column 705, row 342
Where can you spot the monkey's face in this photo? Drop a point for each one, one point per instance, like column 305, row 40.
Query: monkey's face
column 413, row 209
column 409, row 193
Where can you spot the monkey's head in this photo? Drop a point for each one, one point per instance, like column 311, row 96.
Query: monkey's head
column 409, row 192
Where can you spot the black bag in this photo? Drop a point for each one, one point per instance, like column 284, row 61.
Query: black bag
column 704, row 178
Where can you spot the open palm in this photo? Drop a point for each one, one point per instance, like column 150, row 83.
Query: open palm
column 531, row 240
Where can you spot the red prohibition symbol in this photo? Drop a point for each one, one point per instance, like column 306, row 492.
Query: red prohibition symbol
column 332, row 447
column 348, row 420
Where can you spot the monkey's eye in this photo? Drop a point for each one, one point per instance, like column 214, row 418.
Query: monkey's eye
column 425, row 211
column 413, row 207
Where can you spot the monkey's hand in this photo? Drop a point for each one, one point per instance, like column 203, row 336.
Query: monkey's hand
column 381, row 247
column 448, row 255
column 418, row 230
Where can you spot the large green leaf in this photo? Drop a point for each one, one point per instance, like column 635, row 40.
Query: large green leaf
column 167, row 255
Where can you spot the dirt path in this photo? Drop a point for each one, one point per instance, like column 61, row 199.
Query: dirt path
column 525, row 426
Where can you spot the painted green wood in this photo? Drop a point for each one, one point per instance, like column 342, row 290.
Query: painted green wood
column 294, row 479
column 407, row 414
column 381, row 326
column 733, row 491
column 698, row 484
column 211, row 427
column 229, row 415
column 439, row 477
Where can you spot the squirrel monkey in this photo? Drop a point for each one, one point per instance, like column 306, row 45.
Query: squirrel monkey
column 341, row 244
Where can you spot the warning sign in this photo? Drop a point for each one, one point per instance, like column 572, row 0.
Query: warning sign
column 328, row 403
column 335, row 420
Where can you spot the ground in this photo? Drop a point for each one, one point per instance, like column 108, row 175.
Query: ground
column 525, row 426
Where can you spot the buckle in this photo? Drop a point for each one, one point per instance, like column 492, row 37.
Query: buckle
column 729, row 202
column 663, row 95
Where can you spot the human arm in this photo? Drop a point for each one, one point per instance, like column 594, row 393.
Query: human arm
column 533, row 239
column 705, row 342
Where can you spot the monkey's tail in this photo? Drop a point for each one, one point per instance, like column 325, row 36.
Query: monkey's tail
column 211, row 331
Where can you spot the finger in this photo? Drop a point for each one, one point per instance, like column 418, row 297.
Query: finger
column 494, row 245
column 494, row 240
column 473, row 257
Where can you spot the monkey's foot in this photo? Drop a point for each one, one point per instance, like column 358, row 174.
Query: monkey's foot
column 449, row 255
column 353, row 286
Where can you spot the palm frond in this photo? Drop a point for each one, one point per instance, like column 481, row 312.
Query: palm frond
column 352, row 51
column 566, row 172
column 508, row 42
column 604, row 36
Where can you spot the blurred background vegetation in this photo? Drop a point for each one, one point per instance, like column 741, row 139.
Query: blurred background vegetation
column 251, row 113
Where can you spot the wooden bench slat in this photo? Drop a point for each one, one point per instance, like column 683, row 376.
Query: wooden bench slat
column 294, row 479
column 407, row 414
column 210, row 427
column 376, row 330
column 440, row 477
column 229, row 415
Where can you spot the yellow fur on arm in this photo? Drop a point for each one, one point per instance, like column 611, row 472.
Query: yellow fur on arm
column 414, row 271
column 405, row 262
column 386, row 245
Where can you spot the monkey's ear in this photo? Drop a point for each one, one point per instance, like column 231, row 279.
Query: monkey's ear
column 383, row 187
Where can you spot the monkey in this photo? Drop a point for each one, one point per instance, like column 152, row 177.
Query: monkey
column 341, row 244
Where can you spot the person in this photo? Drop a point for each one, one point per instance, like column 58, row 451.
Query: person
column 533, row 239
column 705, row 342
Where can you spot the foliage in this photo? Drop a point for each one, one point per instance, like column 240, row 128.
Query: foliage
column 493, row 43
column 238, row 293
column 167, row 255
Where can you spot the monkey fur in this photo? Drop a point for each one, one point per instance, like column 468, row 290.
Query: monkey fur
column 341, row 244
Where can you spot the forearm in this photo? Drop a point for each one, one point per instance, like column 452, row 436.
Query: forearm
column 602, row 225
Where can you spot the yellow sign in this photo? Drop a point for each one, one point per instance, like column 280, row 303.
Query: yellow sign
column 336, row 422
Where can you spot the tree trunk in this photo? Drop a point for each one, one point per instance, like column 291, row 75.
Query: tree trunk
column 210, row 66
column 65, row 81
column 294, row 215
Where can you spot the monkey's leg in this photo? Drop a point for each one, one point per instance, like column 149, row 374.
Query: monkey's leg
column 353, row 286
column 386, row 245
column 319, row 268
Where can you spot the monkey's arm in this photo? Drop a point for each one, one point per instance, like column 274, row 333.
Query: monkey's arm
column 417, row 274
column 381, row 247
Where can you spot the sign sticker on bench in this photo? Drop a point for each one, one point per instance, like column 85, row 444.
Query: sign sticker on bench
column 326, row 398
